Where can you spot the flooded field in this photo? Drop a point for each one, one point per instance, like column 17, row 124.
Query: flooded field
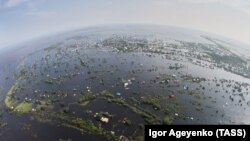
column 107, row 86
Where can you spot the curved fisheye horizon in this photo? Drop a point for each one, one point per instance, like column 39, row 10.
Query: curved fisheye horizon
column 23, row 20
column 93, row 27
column 124, row 70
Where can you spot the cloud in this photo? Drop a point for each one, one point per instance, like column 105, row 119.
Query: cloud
column 203, row 1
column 34, row 11
column 11, row 3
column 210, row 1
column 40, row 13
column 242, row 5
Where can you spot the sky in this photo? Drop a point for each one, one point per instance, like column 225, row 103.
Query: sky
column 24, row 20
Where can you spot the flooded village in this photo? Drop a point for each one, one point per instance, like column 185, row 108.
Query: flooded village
column 108, row 87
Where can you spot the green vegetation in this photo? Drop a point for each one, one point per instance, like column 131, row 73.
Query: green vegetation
column 65, row 110
column 13, row 104
column 125, row 45
column 21, row 74
column 86, row 98
column 23, row 107
column 242, row 96
column 153, row 101
column 148, row 116
column 3, row 124
column 192, row 78
column 82, row 62
column 43, row 105
column 180, row 91
column 53, row 47
column 168, row 120
column 176, row 66
column 7, row 101
column 84, row 124
column 138, row 138
column 197, row 105
column 64, row 139
column 107, row 94
column 105, row 114
column 49, row 80
column 88, row 126
column 119, row 101
column 127, row 121
column 233, row 60
column 85, row 103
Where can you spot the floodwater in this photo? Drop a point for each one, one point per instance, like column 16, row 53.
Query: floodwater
column 215, row 105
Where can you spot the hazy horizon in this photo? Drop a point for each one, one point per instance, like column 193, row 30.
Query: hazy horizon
column 24, row 20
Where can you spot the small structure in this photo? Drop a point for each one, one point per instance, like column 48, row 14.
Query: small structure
column 112, row 132
column 171, row 96
column 185, row 87
column 104, row 120
column 123, row 138
column 118, row 94
column 88, row 88
column 125, row 84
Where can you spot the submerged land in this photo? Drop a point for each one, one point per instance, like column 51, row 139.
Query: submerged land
column 107, row 87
